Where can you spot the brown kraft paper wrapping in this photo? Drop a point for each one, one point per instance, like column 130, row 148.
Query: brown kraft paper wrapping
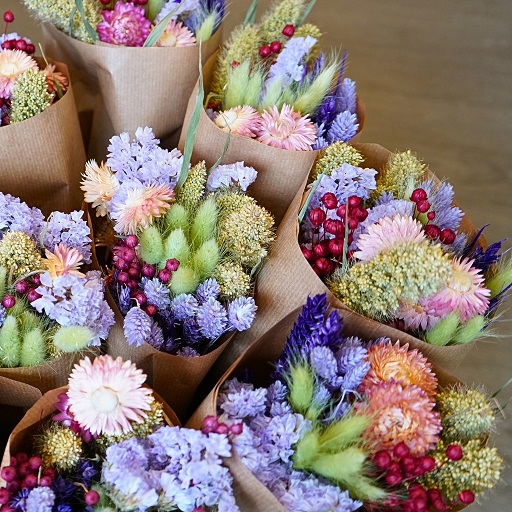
column 286, row 279
column 280, row 172
column 250, row 494
column 21, row 437
column 121, row 88
column 175, row 378
column 42, row 158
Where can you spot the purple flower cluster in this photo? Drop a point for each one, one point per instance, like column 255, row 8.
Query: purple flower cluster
column 197, row 16
column 76, row 301
column 231, row 175
column 16, row 215
column 174, row 467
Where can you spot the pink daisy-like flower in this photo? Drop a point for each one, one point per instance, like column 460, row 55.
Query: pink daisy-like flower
column 286, row 129
column 141, row 206
column 99, row 185
column 12, row 64
column 388, row 233
column 244, row 121
column 176, row 35
column 125, row 25
column 392, row 362
column 401, row 414
column 106, row 395
column 63, row 260
column 465, row 292
column 417, row 316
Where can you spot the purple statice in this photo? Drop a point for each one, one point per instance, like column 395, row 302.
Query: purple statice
column 177, row 7
column 346, row 99
column 141, row 162
column 69, row 229
column 231, row 175
column 184, row 306
column 289, row 65
column 191, row 331
column 16, row 215
column 324, row 364
column 187, row 352
column 241, row 313
column 485, row 258
column 206, row 8
column 70, row 300
column 243, row 401
column 156, row 292
column 211, row 318
column 343, row 128
column 326, row 112
column 124, row 300
column 207, row 289
column 302, row 492
column 156, row 337
column 137, row 327
column 40, row 499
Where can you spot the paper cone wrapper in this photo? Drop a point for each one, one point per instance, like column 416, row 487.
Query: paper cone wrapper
column 175, row 378
column 250, row 494
column 22, row 436
column 120, row 88
column 42, row 158
column 286, row 279
column 280, row 172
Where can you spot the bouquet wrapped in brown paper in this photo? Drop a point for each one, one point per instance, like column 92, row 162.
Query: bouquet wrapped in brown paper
column 278, row 98
column 332, row 421
column 50, row 312
column 288, row 275
column 42, row 152
column 185, row 245
column 131, row 65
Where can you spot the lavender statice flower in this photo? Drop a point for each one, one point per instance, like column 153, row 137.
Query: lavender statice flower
column 245, row 403
column 177, row 7
column 231, row 175
column 69, row 229
column 241, row 313
column 16, row 215
column 184, row 306
column 40, row 499
column 289, row 65
column 352, row 363
column 76, row 301
column 156, row 337
column 142, row 161
column 187, row 352
column 156, row 292
column 211, row 318
column 324, row 365
column 207, row 289
column 440, row 198
column 343, row 128
column 137, row 327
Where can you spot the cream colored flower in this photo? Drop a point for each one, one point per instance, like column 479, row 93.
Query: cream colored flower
column 99, row 185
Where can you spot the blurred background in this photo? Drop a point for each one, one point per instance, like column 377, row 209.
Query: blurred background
column 436, row 78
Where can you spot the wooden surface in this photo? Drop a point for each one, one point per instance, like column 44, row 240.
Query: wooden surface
column 435, row 77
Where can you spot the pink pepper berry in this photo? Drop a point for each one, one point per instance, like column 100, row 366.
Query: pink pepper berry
column 164, row 275
column 265, row 51
column 8, row 17
column 5, row 496
column 382, row 459
column 30, row 49
column 275, row 46
column 46, row 481
column 9, row 473
column 222, row 428
column 317, row 216
column 141, row 298
column 431, row 215
column 447, row 236
column 432, row 231
column 454, row 452
column 151, row 310
column 21, row 45
column 92, row 498
column 393, row 478
column 329, row 200
column 418, row 195
column 131, row 241
column 29, row 482
column 8, row 301
column 308, row 253
column 210, row 423
column 423, row 206
column 236, row 429
column 21, row 287
column 36, row 279
column 34, row 463
column 401, row 450
column 172, row 265
column 288, row 30
column 467, row 497
column 148, row 270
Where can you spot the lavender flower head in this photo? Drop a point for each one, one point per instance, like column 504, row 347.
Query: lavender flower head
column 211, row 318
column 343, row 128
column 137, row 327
column 16, row 215
column 231, row 175
column 241, row 313
column 156, row 292
column 40, row 499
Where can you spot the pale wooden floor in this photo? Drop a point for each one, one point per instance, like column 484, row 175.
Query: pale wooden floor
column 435, row 77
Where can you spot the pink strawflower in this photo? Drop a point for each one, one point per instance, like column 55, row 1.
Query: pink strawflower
column 63, row 260
column 99, row 185
column 417, row 316
column 125, row 25
column 388, row 233
column 176, row 35
column 286, row 129
column 106, row 395
column 394, row 362
column 401, row 414
column 12, row 64
column 53, row 76
column 464, row 293
column 141, row 206
column 244, row 121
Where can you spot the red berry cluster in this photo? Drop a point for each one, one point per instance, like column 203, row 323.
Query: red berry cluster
column 16, row 44
column 26, row 472
column 211, row 425
column 326, row 253
column 129, row 270
column 275, row 46
column 434, row 232
column 25, row 287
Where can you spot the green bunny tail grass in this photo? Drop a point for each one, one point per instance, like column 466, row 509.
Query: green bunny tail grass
column 205, row 222
column 10, row 343
column 501, row 279
column 470, row 330
column 151, row 245
column 176, row 217
column 3, row 280
column 176, row 246
column 301, row 384
column 72, row 338
column 307, row 450
column 33, row 348
column 442, row 333
column 237, row 84
column 206, row 258
column 343, row 433
column 184, row 280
